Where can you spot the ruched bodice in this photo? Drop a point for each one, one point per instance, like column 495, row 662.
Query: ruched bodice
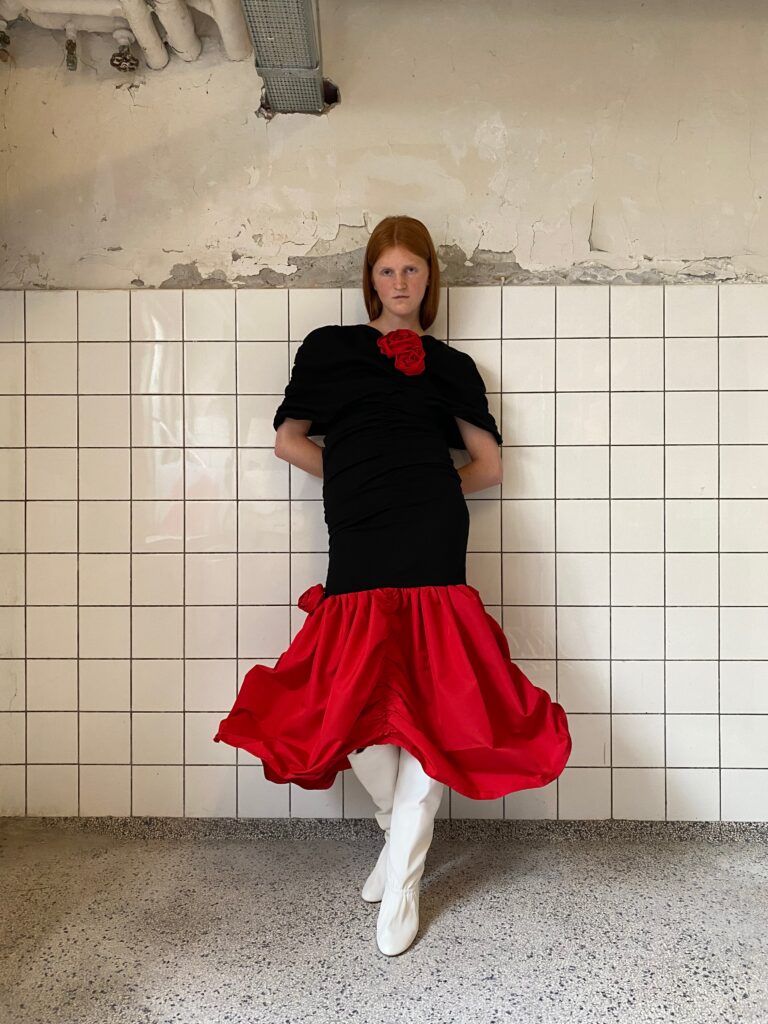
column 384, row 453
column 393, row 503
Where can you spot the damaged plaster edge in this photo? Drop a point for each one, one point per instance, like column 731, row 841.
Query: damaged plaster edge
column 343, row 270
column 486, row 268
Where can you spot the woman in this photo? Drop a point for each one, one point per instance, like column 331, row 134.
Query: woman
column 398, row 671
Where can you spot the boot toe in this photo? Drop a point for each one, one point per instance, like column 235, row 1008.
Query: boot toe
column 398, row 921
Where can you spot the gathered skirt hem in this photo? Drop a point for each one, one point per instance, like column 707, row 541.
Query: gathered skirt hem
column 425, row 668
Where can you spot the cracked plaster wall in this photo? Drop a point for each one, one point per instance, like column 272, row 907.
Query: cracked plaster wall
column 551, row 141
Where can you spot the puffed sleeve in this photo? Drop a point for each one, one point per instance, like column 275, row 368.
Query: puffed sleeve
column 309, row 392
column 463, row 394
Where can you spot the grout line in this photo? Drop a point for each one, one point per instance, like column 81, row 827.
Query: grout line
column 522, row 551
column 719, row 555
column 130, row 556
column 610, row 573
column 664, row 541
column 500, row 500
column 184, row 343
column 79, row 720
column 26, row 546
column 213, row 657
column 556, row 652
column 290, row 544
column 236, row 457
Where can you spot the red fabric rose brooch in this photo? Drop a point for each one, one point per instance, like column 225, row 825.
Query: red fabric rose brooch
column 406, row 347
column 311, row 598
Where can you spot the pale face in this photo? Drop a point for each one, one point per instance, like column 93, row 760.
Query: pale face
column 400, row 278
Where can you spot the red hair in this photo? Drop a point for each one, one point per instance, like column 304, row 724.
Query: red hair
column 411, row 234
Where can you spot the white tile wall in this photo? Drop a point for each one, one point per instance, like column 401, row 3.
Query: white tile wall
column 152, row 548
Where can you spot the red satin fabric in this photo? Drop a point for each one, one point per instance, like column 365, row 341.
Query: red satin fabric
column 426, row 668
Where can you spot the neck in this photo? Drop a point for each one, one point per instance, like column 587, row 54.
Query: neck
column 386, row 324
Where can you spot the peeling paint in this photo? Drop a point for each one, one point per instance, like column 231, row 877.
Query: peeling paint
column 187, row 275
column 574, row 152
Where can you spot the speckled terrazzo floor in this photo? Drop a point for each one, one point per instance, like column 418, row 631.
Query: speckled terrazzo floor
column 101, row 927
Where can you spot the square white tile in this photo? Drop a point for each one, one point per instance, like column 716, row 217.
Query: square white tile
column 637, row 417
column 692, row 633
column 637, row 470
column 527, row 525
column 582, row 311
column 637, row 364
column 529, row 578
column 104, row 315
column 692, row 687
column 209, row 314
column 691, row 471
column 309, row 308
column 158, row 790
column 105, row 684
column 529, row 472
column 743, row 363
column 156, row 367
column 103, row 368
column 691, row 364
column 528, row 311
column 11, row 315
column 474, row 312
column 528, row 365
column 639, row 794
column 581, row 471
column 582, row 418
column 583, row 578
column 156, row 315
column 581, row 364
column 51, row 368
column 52, row 790
column 743, row 309
column 158, row 685
column 262, row 314
column 582, row 525
column 52, row 684
column 637, row 311
column 105, row 789
column 51, row 315
column 691, row 311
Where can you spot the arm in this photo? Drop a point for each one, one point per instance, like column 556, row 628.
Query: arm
column 293, row 445
column 485, row 467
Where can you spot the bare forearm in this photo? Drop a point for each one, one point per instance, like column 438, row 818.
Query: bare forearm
column 476, row 475
column 302, row 453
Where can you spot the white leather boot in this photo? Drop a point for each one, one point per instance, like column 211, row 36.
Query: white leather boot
column 376, row 767
column 417, row 799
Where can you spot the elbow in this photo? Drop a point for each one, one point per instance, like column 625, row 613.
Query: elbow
column 282, row 444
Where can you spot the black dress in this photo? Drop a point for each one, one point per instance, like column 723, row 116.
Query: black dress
column 394, row 508
column 396, row 647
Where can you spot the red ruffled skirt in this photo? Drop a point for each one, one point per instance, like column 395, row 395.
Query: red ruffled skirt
column 426, row 668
